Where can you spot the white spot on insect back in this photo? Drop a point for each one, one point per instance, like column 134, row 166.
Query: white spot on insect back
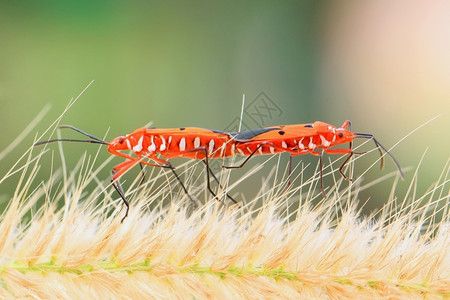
column 138, row 147
column 325, row 143
column 233, row 148
column 300, row 144
column 211, row 146
column 196, row 142
column 163, row 144
column 260, row 150
column 272, row 150
column 152, row 147
column 222, row 149
column 182, row 144
column 284, row 145
column 240, row 151
column 334, row 138
column 311, row 145
column 128, row 143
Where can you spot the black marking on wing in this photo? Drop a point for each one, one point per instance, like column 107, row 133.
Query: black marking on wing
column 309, row 126
column 230, row 134
column 247, row 135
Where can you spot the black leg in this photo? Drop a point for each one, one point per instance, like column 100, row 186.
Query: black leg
column 290, row 172
column 342, row 167
column 350, row 146
column 208, row 186
column 143, row 174
column 351, row 153
column 321, row 174
column 118, row 187
column 181, row 183
column 246, row 160
column 208, row 169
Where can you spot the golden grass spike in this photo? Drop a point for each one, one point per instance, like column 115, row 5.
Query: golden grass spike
column 217, row 252
column 268, row 248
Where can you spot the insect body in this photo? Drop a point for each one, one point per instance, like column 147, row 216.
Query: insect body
column 313, row 138
column 189, row 142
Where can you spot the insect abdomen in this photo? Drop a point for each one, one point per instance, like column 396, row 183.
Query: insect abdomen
column 299, row 145
column 192, row 146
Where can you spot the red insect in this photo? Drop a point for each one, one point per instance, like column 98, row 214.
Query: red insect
column 189, row 142
column 314, row 138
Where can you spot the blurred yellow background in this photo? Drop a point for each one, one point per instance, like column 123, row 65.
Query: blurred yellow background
column 383, row 65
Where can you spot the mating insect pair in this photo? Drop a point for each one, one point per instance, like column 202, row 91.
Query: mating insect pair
column 198, row 143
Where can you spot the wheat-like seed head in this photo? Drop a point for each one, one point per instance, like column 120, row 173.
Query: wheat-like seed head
column 276, row 246
column 284, row 243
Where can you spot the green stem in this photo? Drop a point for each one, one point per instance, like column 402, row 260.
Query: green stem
column 276, row 274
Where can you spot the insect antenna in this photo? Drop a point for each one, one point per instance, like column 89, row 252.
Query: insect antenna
column 93, row 140
column 381, row 147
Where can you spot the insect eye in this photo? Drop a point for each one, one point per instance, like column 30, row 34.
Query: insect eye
column 340, row 134
column 121, row 141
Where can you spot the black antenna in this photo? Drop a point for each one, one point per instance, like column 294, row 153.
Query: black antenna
column 94, row 139
column 379, row 147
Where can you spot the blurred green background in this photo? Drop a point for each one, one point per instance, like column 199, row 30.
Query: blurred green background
column 383, row 65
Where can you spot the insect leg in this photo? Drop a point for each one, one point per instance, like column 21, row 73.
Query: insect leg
column 208, row 171
column 143, row 174
column 290, row 171
column 246, row 160
column 118, row 188
column 168, row 165
column 342, row 167
column 116, row 173
column 350, row 153
column 208, row 186
column 217, row 180
column 346, row 125
column 181, row 183
column 320, row 155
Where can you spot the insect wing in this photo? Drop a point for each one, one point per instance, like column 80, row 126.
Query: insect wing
column 275, row 133
column 187, row 131
column 248, row 135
